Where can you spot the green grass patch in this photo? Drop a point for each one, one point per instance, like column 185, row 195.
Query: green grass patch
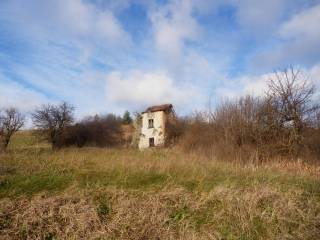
column 180, row 214
column 123, row 179
column 23, row 139
column 32, row 184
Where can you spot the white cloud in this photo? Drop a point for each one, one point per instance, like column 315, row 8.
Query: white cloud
column 62, row 45
column 260, row 17
column 304, row 24
column 73, row 18
column 314, row 77
column 15, row 95
column 72, row 45
column 174, row 24
column 257, row 85
column 176, row 34
column 140, row 89
column 303, row 31
column 314, row 74
column 300, row 37
column 252, row 85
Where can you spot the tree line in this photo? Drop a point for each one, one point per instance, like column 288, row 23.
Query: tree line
column 56, row 124
column 283, row 122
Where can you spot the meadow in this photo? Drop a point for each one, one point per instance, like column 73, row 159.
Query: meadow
column 100, row 193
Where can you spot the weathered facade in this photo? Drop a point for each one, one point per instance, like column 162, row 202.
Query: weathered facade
column 153, row 126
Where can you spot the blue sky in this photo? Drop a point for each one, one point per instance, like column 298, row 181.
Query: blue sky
column 110, row 56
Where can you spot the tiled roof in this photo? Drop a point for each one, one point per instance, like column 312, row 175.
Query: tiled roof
column 163, row 107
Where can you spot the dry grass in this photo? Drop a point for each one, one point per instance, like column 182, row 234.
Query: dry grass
column 96, row 193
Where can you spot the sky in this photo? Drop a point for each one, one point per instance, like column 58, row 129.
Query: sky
column 108, row 56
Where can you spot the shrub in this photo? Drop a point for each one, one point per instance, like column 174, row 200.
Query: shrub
column 95, row 131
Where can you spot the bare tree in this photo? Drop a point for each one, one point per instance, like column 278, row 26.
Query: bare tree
column 291, row 96
column 11, row 120
column 53, row 120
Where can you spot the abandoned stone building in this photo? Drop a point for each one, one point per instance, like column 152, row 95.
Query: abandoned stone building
column 153, row 125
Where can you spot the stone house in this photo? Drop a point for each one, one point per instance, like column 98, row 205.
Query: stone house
column 153, row 125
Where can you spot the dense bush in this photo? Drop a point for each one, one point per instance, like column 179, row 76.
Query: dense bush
column 95, row 131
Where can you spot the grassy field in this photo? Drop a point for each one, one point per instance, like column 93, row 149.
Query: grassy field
column 93, row 193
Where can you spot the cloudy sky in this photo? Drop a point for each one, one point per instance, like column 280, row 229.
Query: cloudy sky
column 108, row 56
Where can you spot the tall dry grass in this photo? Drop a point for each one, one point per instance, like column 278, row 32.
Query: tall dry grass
column 94, row 193
column 240, row 172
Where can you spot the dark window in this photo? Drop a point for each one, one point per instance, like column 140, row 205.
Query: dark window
column 151, row 142
column 150, row 123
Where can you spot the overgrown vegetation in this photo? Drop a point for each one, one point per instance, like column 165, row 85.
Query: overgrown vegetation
column 96, row 193
column 56, row 124
column 283, row 123
column 100, row 131
column 243, row 171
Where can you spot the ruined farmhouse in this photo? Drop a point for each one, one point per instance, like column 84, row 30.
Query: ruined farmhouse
column 153, row 125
